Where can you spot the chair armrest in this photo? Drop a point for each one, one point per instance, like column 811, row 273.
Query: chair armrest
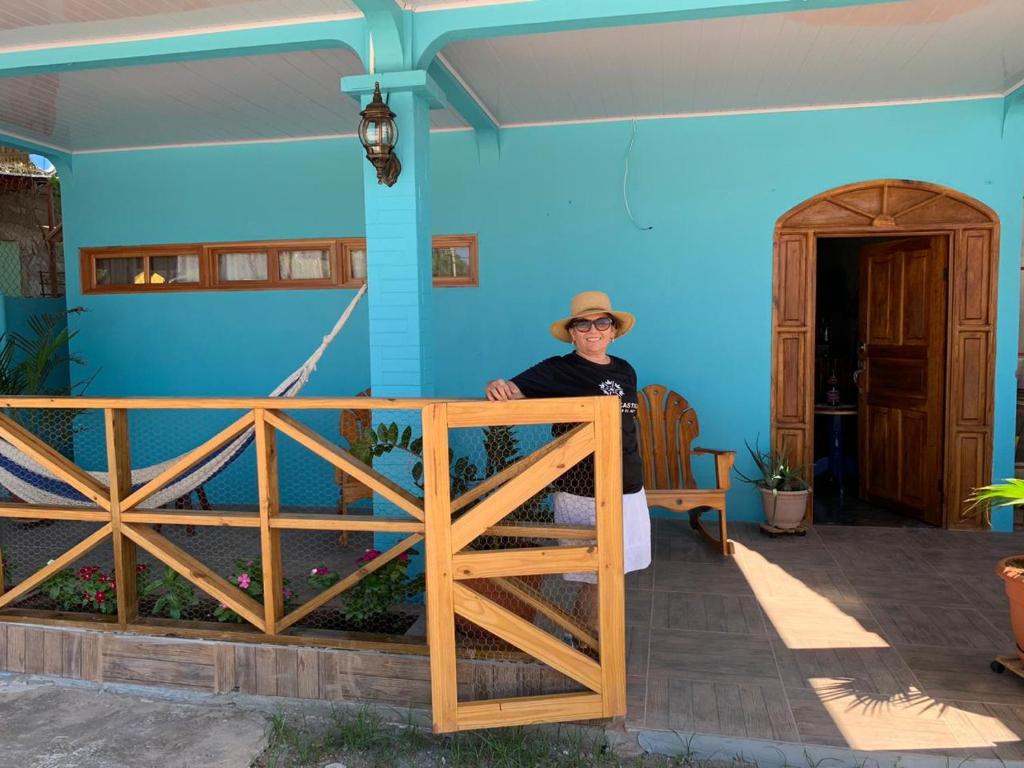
column 723, row 465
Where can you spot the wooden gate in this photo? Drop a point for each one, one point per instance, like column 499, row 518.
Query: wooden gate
column 598, row 432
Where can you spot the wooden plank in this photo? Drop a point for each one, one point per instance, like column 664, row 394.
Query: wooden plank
column 438, row 564
column 308, row 674
column 189, row 460
column 198, row 517
column 303, row 521
column 53, row 652
column 494, row 481
column 205, row 578
column 53, row 461
column 528, row 710
column 15, row 649
column 30, row 511
column 55, row 565
column 342, row 459
column 556, row 457
column 523, row 562
column 544, row 531
column 557, row 410
column 611, row 575
column 90, row 658
column 270, row 505
column 266, row 671
column 286, row 671
column 224, row 680
column 155, row 671
column 348, row 582
column 549, row 610
column 245, row 668
column 119, row 468
column 34, row 639
column 525, row 636
column 72, row 661
column 228, row 403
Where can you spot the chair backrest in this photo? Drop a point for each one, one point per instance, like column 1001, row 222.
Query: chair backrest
column 667, row 426
column 354, row 423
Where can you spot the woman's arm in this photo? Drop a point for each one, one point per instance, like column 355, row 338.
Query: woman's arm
column 503, row 389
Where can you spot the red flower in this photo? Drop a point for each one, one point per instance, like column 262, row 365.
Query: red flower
column 370, row 554
column 141, row 568
column 101, row 597
column 404, row 557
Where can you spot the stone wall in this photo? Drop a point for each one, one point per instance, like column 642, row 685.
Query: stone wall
column 23, row 214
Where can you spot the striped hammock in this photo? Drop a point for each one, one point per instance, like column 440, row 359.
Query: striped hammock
column 28, row 480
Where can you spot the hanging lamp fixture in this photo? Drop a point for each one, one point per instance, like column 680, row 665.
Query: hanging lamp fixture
column 378, row 134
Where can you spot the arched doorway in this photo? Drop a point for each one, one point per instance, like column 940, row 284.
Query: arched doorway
column 895, row 208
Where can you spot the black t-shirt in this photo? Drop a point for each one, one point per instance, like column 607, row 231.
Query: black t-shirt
column 574, row 376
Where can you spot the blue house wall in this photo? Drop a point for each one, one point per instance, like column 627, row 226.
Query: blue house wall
column 551, row 221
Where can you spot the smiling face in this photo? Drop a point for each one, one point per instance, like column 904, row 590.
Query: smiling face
column 592, row 343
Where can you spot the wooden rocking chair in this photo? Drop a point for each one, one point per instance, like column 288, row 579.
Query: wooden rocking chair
column 351, row 425
column 667, row 427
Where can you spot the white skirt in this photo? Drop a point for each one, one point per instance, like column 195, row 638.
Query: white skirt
column 571, row 509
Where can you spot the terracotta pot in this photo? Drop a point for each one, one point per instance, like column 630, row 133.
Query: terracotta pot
column 1011, row 571
column 785, row 509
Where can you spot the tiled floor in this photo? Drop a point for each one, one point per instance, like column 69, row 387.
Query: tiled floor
column 860, row 637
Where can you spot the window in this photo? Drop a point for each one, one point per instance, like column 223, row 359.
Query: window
column 258, row 265
column 453, row 261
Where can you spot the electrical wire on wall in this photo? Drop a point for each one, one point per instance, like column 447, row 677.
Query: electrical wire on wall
column 625, row 183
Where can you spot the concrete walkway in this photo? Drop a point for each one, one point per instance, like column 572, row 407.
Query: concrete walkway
column 44, row 724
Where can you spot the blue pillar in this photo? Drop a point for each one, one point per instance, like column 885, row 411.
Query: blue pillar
column 399, row 279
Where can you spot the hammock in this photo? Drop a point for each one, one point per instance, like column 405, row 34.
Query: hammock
column 30, row 481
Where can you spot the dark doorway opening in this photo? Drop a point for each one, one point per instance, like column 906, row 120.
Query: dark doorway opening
column 841, row 494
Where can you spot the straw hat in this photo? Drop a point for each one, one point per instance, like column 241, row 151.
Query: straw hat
column 589, row 303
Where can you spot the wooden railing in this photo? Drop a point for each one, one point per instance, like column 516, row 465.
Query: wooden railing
column 449, row 527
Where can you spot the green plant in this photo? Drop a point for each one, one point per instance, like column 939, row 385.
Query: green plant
column 502, row 448
column 385, row 438
column 321, row 578
column 99, row 590
column 378, row 591
column 248, row 577
column 774, row 471
column 6, row 568
column 174, row 595
column 63, row 589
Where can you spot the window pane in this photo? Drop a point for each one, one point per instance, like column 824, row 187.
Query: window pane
column 451, row 261
column 122, row 271
column 358, row 266
column 174, row 269
column 242, row 265
column 305, row 265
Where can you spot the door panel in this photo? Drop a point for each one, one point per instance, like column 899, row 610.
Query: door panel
column 902, row 359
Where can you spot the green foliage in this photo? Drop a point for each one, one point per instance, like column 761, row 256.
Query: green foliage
column 502, row 448
column 1009, row 493
column 377, row 592
column 6, row 568
column 174, row 595
column 373, row 443
column 248, row 577
column 775, row 471
column 63, row 589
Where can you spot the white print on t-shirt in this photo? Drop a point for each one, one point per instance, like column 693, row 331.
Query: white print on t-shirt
column 610, row 387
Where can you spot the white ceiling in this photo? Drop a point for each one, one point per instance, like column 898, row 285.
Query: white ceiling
column 911, row 50
column 279, row 96
column 919, row 49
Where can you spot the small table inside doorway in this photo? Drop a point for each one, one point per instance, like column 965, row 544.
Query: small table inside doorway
column 835, row 442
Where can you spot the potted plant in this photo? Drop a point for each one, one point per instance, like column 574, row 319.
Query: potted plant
column 783, row 487
column 1010, row 569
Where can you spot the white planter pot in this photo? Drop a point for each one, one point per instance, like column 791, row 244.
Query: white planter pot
column 784, row 509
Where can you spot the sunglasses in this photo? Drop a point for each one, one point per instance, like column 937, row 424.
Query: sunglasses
column 602, row 324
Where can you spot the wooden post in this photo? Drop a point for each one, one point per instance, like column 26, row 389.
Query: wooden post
column 119, row 466
column 438, row 563
column 610, row 576
column 270, row 507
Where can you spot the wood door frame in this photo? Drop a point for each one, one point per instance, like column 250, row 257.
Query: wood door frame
column 894, row 208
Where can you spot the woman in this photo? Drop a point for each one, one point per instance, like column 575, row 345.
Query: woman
column 591, row 326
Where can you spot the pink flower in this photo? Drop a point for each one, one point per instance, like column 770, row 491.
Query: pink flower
column 288, row 594
column 141, row 568
column 371, row 554
column 244, row 580
column 404, row 557
column 319, row 571
column 223, row 606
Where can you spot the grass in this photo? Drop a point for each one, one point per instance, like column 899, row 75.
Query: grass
column 362, row 739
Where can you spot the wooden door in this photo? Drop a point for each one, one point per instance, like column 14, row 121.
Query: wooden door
column 902, row 357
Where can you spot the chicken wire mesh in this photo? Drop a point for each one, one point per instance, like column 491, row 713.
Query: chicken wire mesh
column 387, row 602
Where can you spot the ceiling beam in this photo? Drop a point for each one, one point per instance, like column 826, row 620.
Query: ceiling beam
column 387, row 26
column 464, row 100
column 139, row 51
column 434, row 30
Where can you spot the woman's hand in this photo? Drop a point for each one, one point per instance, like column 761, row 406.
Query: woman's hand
column 502, row 389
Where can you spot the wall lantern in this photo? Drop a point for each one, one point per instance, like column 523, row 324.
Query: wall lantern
column 379, row 134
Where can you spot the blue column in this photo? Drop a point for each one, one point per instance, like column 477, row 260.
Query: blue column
column 399, row 279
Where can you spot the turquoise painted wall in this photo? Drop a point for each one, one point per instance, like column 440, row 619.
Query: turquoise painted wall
column 551, row 221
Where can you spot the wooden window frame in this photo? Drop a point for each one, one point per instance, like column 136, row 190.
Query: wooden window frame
column 339, row 250
column 472, row 280
column 89, row 256
column 273, row 249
